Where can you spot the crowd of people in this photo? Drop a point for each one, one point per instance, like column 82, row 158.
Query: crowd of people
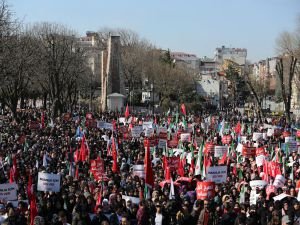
column 32, row 143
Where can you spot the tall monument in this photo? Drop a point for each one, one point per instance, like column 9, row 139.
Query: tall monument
column 112, row 79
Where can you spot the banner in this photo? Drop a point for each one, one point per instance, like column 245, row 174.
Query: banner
column 257, row 136
column 217, row 174
column 205, row 190
column 209, row 148
column 260, row 151
column 134, row 200
column 173, row 163
column 226, row 139
column 8, row 191
column 136, row 131
column 273, row 168
column 279, row 181
column 97, row 168
column 248, row 151
column 291, row 146
column 243, row 139
column 258, row 184
column 185, row 137
column 138, row 170
column 220, row 151
column 162, row 143
column 48, row 182
column 173, row 143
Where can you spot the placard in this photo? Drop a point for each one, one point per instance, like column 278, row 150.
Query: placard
column 162, row 143
column 134, row 200
column 289, row 139
column 279, row 181
column 205, row 190
column 173, row 163
column 48, row 182
column 8, row 191
column 253, row 197
column 136, row 131
column 149, row 132
column 257, row 136
column 260, row 160
column 147, row 125
column 209, row 148
column 185, row 137
column 260, row 151
column 138, row 170
column 220, row 151
column 100, row 124
column 226, row 139
column 217, row 174
column 248, row 151
column 258, row 184
column 243, row 139
column 108, row 126
column 97, row 168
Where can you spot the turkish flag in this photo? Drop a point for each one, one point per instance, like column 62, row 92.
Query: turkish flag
column 127, row 112
column 149, row 179
column 183, row 110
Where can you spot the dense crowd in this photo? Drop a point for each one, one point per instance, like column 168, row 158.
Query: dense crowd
column 122, row 196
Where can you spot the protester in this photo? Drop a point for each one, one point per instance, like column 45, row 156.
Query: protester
column 104, row 169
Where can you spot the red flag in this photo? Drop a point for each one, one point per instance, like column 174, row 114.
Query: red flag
column 167, row 173
column 11, row 175
column 127, row 112
column 77, row 173
column 115, row 168
column 99, row 199
column 266, row 171
column 76, row 156
column 148, row 165
column 83, row 150
column 192, row 167
column 33, row 210
column 29, row 187
column 183, row 110
column 181, row 168
column 238, row 128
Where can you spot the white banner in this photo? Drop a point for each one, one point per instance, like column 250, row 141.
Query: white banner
column 48, row 182
column 243, row 139
column 134, row 200
column 185, row 137
column 220, row 150
column 108, row 126
column 147, row 125
column 8, row 191
column 162, row 143
column 162, row 130
column 122, row 120
column 136, row 131
column 239, row 148
column 217, row 174
column 258, row 184
column 138, row 170
column 257, row 136
column 279, row 181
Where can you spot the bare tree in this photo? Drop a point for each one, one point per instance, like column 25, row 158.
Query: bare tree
column 62, row 62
